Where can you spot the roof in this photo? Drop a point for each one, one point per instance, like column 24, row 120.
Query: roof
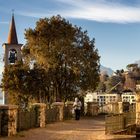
column 12, row 36
column 127, row 90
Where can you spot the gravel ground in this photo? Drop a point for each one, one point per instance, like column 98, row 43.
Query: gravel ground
column 84, row 129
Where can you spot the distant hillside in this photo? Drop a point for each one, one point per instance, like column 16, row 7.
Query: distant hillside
column 105, row 69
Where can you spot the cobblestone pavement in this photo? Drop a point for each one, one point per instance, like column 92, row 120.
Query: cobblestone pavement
column 84, row 129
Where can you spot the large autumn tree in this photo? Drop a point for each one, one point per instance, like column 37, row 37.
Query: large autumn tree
column 65, row 54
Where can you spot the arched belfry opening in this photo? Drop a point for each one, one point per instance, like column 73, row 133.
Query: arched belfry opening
column 12, row 56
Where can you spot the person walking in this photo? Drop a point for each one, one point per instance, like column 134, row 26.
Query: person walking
column 77, row 108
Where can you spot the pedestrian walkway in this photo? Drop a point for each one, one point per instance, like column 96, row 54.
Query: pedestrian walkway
column 84, row 129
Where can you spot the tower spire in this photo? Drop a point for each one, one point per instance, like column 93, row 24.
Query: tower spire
column 12, row 36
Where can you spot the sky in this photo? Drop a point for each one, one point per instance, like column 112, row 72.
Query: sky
column 115, row 24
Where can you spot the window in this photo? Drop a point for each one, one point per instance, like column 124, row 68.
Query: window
column 132, row 97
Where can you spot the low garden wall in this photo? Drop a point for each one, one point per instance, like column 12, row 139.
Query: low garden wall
column 120, row 123
column 13, row 120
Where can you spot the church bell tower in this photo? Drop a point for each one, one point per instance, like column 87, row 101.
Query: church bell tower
column 12, row 49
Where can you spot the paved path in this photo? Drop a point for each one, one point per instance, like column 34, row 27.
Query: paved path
column 84, row 129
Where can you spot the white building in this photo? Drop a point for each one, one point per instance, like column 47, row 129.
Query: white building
column 105, row 98
column 129, row 97
column 91, row 97
column 102, row 98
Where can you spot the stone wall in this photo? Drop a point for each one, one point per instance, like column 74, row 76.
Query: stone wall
column 13, row 119
column 8, row 120
column 92, row 109
column 60, row 107
column 118, row 123
column 138, row 115
column 41, row 114
column 118, row 107
column 112, row 108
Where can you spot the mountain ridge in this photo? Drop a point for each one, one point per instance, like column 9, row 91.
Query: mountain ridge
column 138, row 62
column 108, row 70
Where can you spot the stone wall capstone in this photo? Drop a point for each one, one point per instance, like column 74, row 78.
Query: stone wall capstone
column 41, row 113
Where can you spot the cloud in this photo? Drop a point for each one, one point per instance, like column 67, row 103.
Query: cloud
column 102, row 11
column 95, row 10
